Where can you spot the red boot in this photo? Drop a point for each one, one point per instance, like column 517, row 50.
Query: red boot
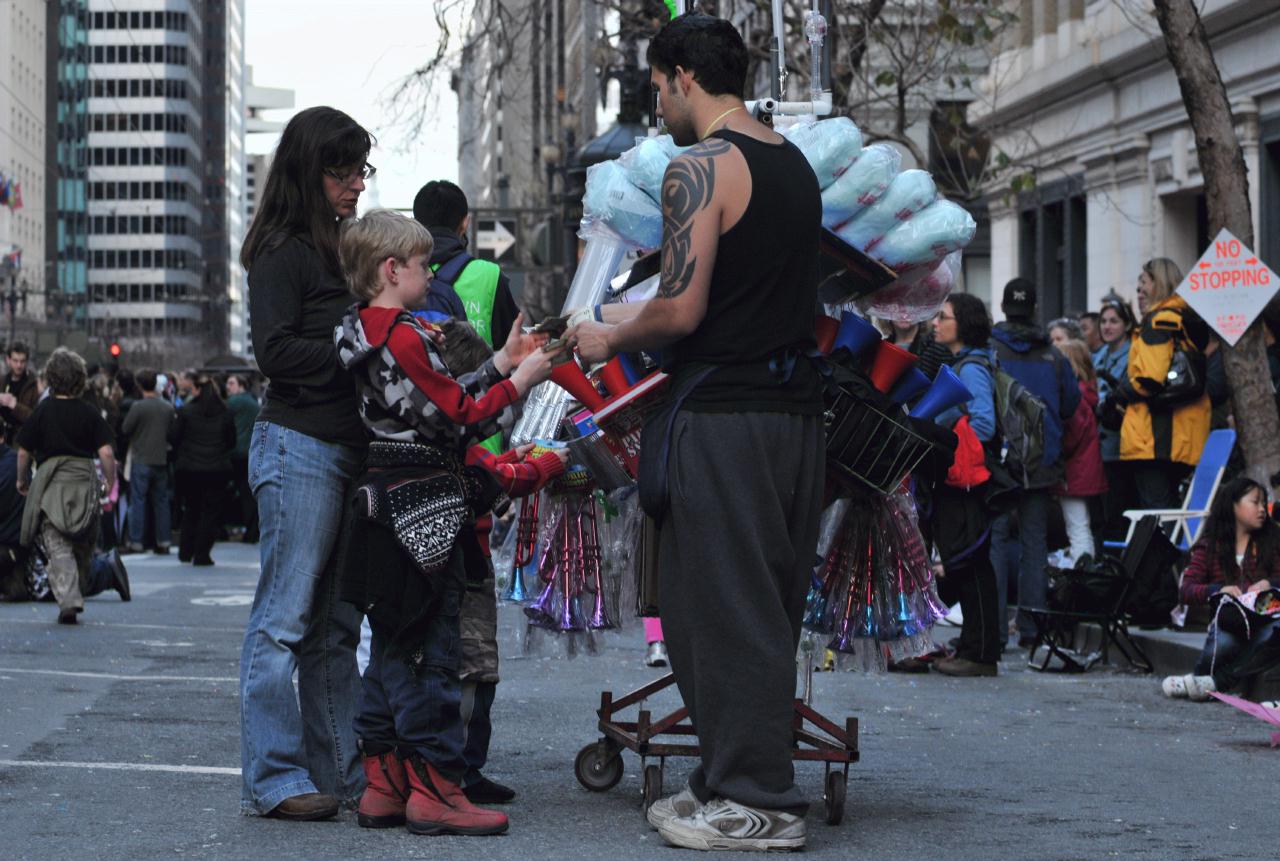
column 383, row 802
column 438, row 806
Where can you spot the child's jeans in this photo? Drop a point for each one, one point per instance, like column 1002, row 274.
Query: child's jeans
column 417, row 712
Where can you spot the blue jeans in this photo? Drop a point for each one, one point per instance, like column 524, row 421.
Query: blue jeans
column 1237, row 659
column 292, row 743
column 149, row 491
column 1027, row 555
column 418, row 711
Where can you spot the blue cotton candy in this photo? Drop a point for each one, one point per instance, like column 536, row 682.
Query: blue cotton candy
column 612, row 200
column 931, row 234
column 646, row 163
column 830, row 146
column 861, row 185
column 910, row 192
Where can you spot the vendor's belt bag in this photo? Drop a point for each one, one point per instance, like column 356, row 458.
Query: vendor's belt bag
column 655, row 449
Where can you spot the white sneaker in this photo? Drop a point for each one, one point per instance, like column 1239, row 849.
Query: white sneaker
column 1174, row 687
column 726, row 825
column 657, row 656
column 1199, row 688
column 662, row 811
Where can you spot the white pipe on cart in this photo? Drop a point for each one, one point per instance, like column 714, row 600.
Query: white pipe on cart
column 820, row 107
column 779, row 55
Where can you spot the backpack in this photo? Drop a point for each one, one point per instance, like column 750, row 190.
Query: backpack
column 441, row 297
column 1019, row 419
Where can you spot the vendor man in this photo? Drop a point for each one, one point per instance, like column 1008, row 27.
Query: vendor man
column 738, row 288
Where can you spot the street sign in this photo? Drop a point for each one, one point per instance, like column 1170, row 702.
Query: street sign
column 1229, row 286
column 495, row 238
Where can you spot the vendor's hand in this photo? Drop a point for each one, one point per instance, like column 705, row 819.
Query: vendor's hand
column 519, row 345
column 1233, row 591
column 534, row 368
column 580, row 315
column 1260, row 586
column 8, row 400
column 23, row 487
column 592, row 340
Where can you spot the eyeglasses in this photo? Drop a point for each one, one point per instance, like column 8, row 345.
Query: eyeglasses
column 942, row 318
column 368, row 171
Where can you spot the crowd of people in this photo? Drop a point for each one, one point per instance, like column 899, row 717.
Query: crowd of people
column 369, row 472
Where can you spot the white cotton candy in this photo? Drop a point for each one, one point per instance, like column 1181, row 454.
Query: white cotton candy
column 830, row 146
column 646, row 163
column 910, row 192
column 861, row 185
column 611, row 200
column 931, row 234
column 916, row 296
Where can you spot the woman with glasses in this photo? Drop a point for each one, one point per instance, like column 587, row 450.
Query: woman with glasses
column 1161, row 438
column 298, row 750
column 1111, row 363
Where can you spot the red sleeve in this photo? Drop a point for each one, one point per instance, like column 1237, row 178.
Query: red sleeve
column 517, row 479
column 1198, row 581
column 452, row 400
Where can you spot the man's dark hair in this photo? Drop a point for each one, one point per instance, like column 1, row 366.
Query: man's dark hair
column 146, row 379
column 1092, row 316
column 19, row 347
column 709, row 48
column 973, row 323
column 440, row 203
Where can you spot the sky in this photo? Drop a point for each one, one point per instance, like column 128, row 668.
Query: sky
column 349, row 56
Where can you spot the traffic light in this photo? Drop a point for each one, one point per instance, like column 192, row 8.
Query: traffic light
column 114, row 350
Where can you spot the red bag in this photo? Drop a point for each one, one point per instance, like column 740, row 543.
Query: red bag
column 969, row 468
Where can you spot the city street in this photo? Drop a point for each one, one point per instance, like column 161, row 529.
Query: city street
column 119, row 739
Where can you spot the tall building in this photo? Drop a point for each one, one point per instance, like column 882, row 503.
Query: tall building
column 66, row 206
column 22, row 159
column 1091, row 104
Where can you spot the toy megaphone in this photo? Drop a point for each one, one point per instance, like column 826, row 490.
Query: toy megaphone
column 910, row 384
column 856, row 335
column 825, row 330
column 569, row 377
column 945, row 392
column 888, row 363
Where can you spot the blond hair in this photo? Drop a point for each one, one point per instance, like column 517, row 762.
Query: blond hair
column 369, row 240
column 1077, row 353
column 1165, row 276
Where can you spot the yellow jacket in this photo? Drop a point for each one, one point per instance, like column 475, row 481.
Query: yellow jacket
column 1177, row 435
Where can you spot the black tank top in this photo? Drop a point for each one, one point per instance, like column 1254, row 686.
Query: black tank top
column 764, row 292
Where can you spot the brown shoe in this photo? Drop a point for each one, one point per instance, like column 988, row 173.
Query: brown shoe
column 963, row 667
column 306, row 808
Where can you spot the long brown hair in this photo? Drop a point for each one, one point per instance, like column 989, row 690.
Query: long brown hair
column 293, row 200
column 1077, row 353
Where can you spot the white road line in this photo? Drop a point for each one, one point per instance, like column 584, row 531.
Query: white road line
column 91, row 624
column 120, row 678
column 121, row 766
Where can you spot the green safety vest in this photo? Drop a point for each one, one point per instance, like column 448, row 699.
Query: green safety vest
column 477, row 287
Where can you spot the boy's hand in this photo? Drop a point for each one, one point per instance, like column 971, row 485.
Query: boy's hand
column 592, row 339
column 534, row 368
column 522, row 451
column 518, row 346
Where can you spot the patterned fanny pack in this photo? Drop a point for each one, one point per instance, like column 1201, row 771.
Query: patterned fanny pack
column 420, row 494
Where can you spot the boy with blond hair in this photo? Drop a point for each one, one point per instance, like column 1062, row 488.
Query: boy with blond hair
column 403, row 565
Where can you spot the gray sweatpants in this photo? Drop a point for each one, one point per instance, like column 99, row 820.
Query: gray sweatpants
column 736, row 552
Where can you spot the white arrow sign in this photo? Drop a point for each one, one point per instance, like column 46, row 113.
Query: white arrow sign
column 497, row 241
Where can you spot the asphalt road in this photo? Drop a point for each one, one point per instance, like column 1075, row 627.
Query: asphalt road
column 119, row 739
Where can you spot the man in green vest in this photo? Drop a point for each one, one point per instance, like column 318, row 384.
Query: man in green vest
column 485, row 292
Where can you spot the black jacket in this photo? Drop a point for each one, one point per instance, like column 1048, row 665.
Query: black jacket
column 447, row 245
column 203, row 436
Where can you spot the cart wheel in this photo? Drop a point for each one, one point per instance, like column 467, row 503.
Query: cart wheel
column 834, row 797
column 652, row 784
column 598, row 767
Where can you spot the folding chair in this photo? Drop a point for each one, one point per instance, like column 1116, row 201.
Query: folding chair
column 1188, row 520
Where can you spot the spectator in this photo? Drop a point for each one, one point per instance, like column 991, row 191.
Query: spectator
column 64, row 434
column 1238, row 552
column 918, row 338
column 961, row 528
column 1162, row 442
column 1064, row 329
column 12, row 556
column 19, row 393
column 244, row 410
column 147, row 427
column 1089, row 328
column 1111, row 364
column 1023, row 350
column 1082, row 453
column 203, row 438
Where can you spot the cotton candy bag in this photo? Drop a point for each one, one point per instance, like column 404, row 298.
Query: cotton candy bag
column 613, row 201
column 861, row 185
column 916, row 296
column 829, row 146
column 931, row 234
column 646, row 163
column 910, row 192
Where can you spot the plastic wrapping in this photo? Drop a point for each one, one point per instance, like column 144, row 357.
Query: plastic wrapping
column 861, row 185
column 873, row 593
column 646, row 163
column 931, row 234
column 909, row 193
column 916, row 296
column 613, row 201
column 830, row 146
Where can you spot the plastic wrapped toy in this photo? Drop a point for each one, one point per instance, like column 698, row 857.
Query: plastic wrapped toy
column 931, row 234
column 830, row 146
column 861, row 185
column 916, row 296
column 908, row 193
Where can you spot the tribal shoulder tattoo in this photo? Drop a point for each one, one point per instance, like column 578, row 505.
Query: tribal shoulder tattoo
column 686, row 190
